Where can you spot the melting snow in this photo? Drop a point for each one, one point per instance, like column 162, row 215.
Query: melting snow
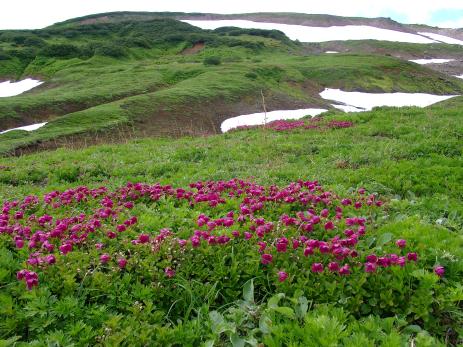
column 259, row 118
column 11, row 89
column 459, row 76
column 369, row 100
column 318, row 34
column 431, row 61
column 442, row 38
column 331, row 52
column 26, row 128
column 349, row 108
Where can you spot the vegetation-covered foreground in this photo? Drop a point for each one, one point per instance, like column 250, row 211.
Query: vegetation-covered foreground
column 332, row 233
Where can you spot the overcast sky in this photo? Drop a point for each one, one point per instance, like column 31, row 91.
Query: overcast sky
column 22, row 14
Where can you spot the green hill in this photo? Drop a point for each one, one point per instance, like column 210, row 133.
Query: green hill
column 107, row 79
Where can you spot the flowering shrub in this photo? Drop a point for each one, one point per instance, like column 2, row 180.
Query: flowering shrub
column 314, row 123
column 323, row 227
column 218, row 234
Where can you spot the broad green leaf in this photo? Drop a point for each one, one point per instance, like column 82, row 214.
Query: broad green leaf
column 274, row 300
column 286, row 311
column 383, row 239
column 236, row 340
column 265, row 324
column 248, row 291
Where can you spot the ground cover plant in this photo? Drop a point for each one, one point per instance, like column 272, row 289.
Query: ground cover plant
column 113, row 262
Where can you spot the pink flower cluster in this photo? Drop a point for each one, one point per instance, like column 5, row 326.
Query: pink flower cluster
column 314, row 123
column 323, row 227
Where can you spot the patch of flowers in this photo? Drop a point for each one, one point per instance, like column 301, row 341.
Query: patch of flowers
column 314, row 123
column 301, row 223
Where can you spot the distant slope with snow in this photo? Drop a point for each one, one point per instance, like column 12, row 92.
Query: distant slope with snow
column 318, row 34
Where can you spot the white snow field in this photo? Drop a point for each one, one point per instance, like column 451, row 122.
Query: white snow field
column 318, row 34
column 261, row 118
column 369, row 100
column 15, row 88
column 31, row 127
column 442, row 38
column 431, row 61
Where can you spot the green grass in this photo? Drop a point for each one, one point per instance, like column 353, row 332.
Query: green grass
column 412, row 157
column 110, row 91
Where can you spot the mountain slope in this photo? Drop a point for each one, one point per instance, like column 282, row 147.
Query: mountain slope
column 143, row 74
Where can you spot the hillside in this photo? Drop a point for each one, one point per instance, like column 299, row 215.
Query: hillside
column 129, row 219
column 112, row 76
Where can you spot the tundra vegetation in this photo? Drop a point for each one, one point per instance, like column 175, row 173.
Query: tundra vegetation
column 345, row 229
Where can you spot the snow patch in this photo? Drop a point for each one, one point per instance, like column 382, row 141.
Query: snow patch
column 442, row 38
column 459, row 76
column 431, row 61
column 348, row 108
column 262, row 118
column 331, row 52
column 31, row 127
column 15, row 88
column 318, row 34
column 369, row 100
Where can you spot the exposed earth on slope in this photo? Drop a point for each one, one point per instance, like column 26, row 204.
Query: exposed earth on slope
column 162, row 77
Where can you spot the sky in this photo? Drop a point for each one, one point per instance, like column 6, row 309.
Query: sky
column 34, row 14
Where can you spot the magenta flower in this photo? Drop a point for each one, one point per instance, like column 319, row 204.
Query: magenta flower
column 412, row 256
column 247, row 235
column 308, row 251
column 111, row 234
column 65, row 248
column 19, row 243
column 333, row 266
column 345, row 270
column 122, row 263
column 282, row 276
column 262, row 246
column 401, row 243
column 401, row 261
column 235, row 233
column 370, row 267
column 329, row 225
column 105, row 258
column 50, row 259
column 346, row 202
column 282, row 245
column 266, row 258
column 195, row 241
column 121, row 227
column 317, row 267
column 439, row 271
column 143, row 238
column 169, row 272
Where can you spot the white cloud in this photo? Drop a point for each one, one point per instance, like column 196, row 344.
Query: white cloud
column 36, row 14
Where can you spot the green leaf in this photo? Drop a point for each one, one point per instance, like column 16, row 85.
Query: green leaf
column 248, row 291
column 383, row 239
column 236, row 340
column 209, row 343
column 265, row 324
column 286, row 311
column 302, row 307
column 274, row 300
column 412, row 329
